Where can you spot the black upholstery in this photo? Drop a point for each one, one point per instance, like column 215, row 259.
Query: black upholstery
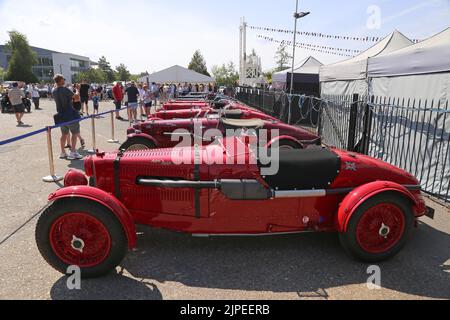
column 305, row 169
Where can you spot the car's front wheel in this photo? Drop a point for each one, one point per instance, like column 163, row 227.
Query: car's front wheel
column 83, row 234
column 137, row 143
column 379, row 228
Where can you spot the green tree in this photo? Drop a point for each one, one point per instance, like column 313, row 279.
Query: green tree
column 282, row 58
column 226, row 74
column 122, row 73
column 22, row 60
column 198, row 64
column 105, row 66
column 91, row 76
column 269, row 76
column 2, row 74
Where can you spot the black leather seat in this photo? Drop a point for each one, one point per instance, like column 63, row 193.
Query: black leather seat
column 305, row 169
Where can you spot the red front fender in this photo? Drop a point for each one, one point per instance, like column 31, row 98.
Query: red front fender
column 360, row 195
column 105, row 199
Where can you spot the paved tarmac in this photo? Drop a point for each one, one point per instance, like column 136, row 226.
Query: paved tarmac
column 175, row 266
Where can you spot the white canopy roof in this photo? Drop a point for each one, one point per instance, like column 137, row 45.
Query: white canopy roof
column 308, row 66
column 356, row 68
column 429, row 56
column 177, row 74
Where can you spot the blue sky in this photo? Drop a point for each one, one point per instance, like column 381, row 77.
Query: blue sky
column 151, row 35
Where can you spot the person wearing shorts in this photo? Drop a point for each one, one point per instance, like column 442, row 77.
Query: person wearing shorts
column 132, row 94
column 66, row 113
column 147, row 100
column 84, row 96
column 16, row 97
column 118, row 98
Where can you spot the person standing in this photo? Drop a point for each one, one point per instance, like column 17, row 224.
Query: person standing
column 148, row 100
column 66, row 113
column 141, row 100
column 15, row 96
column 96, row 101
column 132, row 95
column 85, row 89
column 117, row 92
column 35, row 96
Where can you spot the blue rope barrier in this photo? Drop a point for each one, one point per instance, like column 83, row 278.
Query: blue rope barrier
column 33, row 133
column 24, row 136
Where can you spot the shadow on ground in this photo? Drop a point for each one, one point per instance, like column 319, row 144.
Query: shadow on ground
column 307, row 264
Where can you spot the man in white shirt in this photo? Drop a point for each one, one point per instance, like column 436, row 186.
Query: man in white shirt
column 35, row 96
column 15, row 96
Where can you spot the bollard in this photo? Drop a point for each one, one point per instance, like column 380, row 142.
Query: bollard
column 113, row 133
column 94, row 142
column 52, row 177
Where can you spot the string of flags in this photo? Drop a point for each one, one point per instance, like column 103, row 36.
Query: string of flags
column 318, row 48
column 322, row 35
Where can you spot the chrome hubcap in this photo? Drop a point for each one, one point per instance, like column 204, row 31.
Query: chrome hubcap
column 384, row 230
column 77, row 244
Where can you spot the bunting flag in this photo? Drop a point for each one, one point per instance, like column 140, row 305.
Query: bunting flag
column 315, row 46
column 312, row 47
column 322, row 35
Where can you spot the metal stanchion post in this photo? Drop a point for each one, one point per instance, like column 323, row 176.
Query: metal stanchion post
column 113, row 131
column 94, row 142
column 52, row 177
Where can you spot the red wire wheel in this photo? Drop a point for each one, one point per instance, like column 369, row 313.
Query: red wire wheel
column 80, row 239
column 380, row 228
column 83, row 233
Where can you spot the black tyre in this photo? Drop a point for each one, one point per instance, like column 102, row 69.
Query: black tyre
column 81, row 233
column 137, row 143
column 289, row 145
column 379, row 229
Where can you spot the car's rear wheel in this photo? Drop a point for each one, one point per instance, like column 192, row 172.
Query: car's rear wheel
column 379, row 228
column 81, row 233
column 137, row 143
column 289, row 145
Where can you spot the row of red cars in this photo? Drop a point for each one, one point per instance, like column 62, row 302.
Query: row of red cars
column 221, row 185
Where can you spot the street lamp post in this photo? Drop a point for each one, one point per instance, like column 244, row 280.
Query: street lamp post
column 297, row 15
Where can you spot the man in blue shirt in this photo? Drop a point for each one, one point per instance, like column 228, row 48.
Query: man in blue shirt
column 65, row 113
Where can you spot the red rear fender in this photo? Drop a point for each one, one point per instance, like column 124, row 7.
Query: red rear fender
column 280, row 139
column 360, row 195
column 105, row 199
column 145, row 136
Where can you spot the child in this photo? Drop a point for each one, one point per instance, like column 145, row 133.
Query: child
column 147, row 99
column 96, row 101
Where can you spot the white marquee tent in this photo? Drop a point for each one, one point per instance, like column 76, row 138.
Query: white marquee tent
column 350, row 76
column 308, row 66
column 177, row 74
column 420, row 71
column 306, row 73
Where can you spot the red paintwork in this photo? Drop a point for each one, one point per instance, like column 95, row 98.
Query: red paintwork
column 369, row 190
column 204, row 112
column 95, row 235
column 180, row 105
column 174, row 209
column 75, row 177
column 368, row 229
column 162, row 131
column 105, row 199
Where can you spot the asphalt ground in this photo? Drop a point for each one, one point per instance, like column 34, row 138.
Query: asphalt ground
column 168, row 265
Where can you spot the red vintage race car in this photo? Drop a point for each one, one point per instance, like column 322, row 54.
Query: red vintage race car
column 215, row 191
column 230, row 112
column 168, row 133
column 180, row 105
